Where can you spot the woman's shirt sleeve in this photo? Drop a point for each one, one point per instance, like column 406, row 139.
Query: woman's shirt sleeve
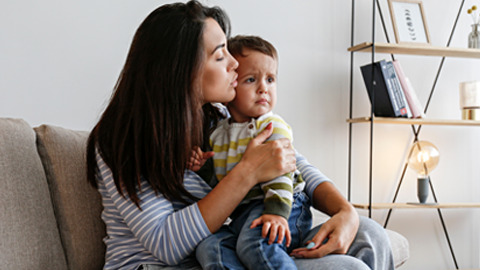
column 169, row 231
column 311, row 175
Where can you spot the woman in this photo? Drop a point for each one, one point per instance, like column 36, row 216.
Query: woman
column 156, row 211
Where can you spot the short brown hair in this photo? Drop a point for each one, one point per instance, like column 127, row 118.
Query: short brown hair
column 237, row 44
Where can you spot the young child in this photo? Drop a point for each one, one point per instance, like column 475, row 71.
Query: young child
column 280, row 205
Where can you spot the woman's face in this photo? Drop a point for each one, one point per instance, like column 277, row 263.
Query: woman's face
column 218, row 76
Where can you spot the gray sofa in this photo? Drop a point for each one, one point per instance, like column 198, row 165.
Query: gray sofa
column 49, row 215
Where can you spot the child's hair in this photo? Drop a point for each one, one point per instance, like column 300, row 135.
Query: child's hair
column 237, row 44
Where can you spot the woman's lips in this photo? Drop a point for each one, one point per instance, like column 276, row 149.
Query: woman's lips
column 235, row 82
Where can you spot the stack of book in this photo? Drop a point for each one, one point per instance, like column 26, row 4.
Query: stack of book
column 390, row 91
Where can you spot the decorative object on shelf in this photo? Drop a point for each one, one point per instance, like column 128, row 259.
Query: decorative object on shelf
column 409, row 23
column 470, row 100
column 474, row 36
column 424, row 157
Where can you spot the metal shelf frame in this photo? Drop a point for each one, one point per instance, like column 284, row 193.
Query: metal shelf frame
column 416, row 125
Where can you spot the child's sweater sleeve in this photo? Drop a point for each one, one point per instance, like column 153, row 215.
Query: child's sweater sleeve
column 279, row 191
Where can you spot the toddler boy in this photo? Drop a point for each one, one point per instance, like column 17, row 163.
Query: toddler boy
column 279, row 204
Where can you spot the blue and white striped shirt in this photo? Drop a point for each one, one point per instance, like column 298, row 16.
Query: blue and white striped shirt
column 164, row 232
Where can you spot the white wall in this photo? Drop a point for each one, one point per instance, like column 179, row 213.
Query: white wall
column 59, row 62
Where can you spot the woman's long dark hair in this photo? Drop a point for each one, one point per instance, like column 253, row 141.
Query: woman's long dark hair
column 155, row 116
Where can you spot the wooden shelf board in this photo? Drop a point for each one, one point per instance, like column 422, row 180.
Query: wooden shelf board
column 413, row 206
column 416, row 121
column 426, row 50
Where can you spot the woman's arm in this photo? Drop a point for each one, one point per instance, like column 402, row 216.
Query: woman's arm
column 341, row 228
column 261, row 162
column 167, row 232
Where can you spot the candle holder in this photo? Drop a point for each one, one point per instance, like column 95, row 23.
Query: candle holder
column 470, row 100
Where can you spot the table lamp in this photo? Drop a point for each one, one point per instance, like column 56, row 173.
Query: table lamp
column 424, row 157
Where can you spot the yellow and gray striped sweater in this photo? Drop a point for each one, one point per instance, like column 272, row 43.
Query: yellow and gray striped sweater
column 229, row 141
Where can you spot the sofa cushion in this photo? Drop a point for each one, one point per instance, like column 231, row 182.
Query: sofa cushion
column 29, row 237
column 77, row 204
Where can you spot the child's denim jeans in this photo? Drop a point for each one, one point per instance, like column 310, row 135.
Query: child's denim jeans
column 236, row 246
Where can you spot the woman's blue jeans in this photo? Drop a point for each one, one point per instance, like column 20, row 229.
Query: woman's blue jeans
column 237, row 246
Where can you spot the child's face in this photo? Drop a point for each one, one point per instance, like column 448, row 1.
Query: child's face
column 257, row 86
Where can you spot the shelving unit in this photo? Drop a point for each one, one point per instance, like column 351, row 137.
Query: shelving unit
column 373, row 47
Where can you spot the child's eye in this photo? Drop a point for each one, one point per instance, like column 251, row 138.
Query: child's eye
column 250, row 80
column 270, row 79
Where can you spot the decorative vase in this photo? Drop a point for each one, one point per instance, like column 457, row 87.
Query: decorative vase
column 474, row 37
column 422, row 188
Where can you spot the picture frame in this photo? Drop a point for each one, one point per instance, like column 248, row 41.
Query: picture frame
column 409, row 23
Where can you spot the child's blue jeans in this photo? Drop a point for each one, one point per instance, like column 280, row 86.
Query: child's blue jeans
column 236, row 246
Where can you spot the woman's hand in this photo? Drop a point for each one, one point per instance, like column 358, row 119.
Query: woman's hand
column 337, row 234
column 334, row 237
column 266, row 161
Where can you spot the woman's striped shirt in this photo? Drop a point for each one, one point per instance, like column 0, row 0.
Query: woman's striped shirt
column 164, row 232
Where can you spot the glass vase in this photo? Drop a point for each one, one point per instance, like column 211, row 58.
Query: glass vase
column 474, row 37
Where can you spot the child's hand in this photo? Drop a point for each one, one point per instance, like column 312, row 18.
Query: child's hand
column 198, row 158
column 276, row 225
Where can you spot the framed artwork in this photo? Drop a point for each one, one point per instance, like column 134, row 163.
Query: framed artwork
column 408, row 19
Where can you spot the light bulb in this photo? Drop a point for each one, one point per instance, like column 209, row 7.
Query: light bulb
column 424, row 157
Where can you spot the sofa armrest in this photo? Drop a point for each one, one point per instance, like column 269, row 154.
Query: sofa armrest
column 29, row 238
column 400, row 247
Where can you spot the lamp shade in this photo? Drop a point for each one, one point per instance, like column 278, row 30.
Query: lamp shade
column 424, row 157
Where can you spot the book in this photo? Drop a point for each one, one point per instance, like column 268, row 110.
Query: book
column 391, row 76
column 409, row 91
column 388, row 99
